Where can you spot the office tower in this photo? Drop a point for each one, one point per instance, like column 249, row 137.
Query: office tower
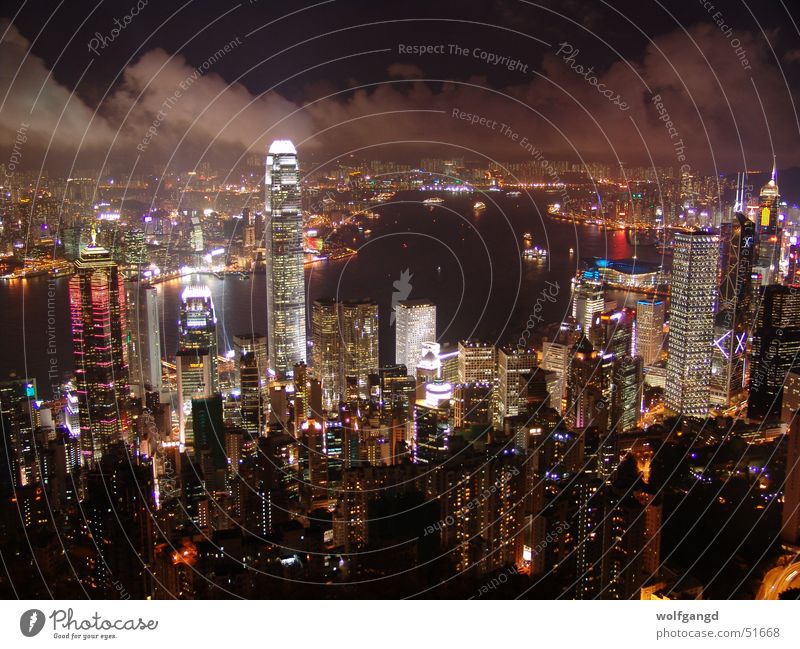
column 432, row 432
column 17, row 423
column 472, row 404
column 649, row 338
column 477, row 362
column 588, row 387
column 514, row 367
column 327, row 349
column 250, row 352
column 769, row 233
column 790, row 530
column 71, row 241
column 627, row 396
column 283, row 236
column 198, row 326
column 734, row 314
column 791, row 394
column 693, row 293
column 209, row 434
column 415, row 324
column 397, row 388
column 315, row 474
column 251, row 394
column 134, row 248
column 588, row 299
column 256, row 344
column 144, row 346
column 775, row 349
column 614, row 332
column 300, row 396
column 194, row 376
column 555, row 359
column 99, row 325
column 359, row 334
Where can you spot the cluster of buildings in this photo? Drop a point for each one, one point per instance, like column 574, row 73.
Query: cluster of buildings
column 299, row 460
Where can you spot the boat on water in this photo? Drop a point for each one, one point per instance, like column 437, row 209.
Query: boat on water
column 433, row 201
column 529, row 250
column 514, row 194
column 479, row 206
column 535, row 253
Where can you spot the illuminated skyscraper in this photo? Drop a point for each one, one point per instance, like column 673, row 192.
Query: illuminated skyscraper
column 327, row 349
column 198, row 325
column 250, row 351
column 194, row 377
column 283, row 235
column 345, row 349
column 196, row 359
column 514, row 366
column 769, row 233
column 359, row 331
column 734, row 315
column 145, row 339
column 775, row 350
column 99, row 323
column 649, row 337
column 477, row 362
column 416, row 324
column 589, row 387
column 588, row 299
column 694, row 278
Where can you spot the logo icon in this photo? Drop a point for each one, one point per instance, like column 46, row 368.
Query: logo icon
column 402, row 289
column 31, row 622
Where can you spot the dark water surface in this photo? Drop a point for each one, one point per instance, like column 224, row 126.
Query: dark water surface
column 469, row 263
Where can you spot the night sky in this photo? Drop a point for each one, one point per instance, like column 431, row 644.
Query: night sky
column 331, row 76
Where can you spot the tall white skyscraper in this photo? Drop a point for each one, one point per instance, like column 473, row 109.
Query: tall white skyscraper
column 416, row 324
column 283, row 236
column 649, row 329
column 691, row 322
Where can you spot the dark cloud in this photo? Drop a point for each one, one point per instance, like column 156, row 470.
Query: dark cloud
column 713, row 99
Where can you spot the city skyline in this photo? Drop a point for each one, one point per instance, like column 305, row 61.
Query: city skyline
column 366, row 302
